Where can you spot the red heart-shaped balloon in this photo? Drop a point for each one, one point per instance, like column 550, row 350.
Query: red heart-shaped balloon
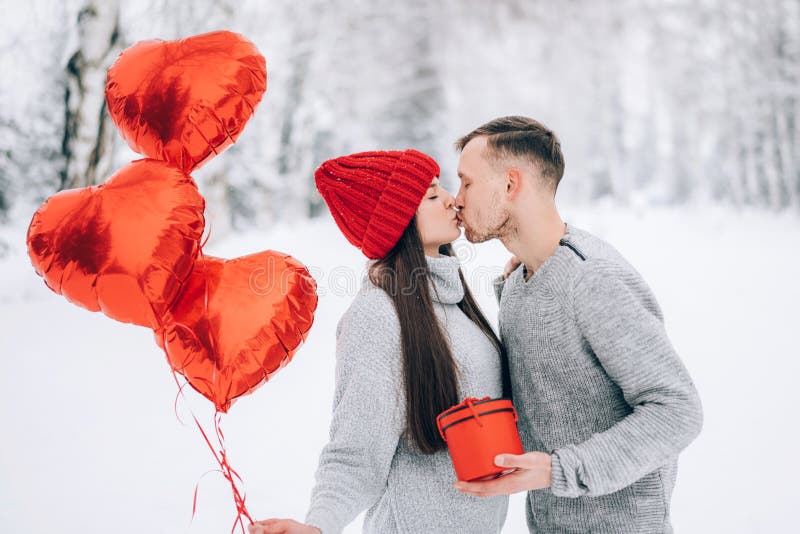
column 237, row 322
column 185, row 101
column 124, row 247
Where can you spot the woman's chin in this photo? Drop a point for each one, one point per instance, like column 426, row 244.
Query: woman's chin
column 448, row 240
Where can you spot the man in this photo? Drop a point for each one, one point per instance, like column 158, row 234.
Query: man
column 605, row 403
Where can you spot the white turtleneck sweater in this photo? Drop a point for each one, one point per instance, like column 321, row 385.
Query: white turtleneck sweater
column 370, row 462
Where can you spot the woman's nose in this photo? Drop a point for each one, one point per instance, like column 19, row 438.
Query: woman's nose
column 449, row 200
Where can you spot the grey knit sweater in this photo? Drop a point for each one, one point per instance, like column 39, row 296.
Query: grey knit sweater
column 597, row 383
column 369, row 462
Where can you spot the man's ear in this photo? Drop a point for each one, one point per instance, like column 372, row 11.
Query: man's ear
column 513, row 183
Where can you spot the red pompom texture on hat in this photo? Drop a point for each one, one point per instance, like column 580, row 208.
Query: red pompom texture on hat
column 373, row 195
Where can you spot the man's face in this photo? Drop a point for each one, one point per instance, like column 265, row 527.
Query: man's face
column 483, row 211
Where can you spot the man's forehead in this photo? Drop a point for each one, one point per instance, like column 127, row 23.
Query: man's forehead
column 467, row 168
column 475, row 146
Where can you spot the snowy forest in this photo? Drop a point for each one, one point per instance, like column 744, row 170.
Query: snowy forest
column 656, row 101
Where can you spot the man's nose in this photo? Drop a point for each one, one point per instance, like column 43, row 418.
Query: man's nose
column 459, row 202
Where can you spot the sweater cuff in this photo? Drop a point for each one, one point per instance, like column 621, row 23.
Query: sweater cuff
column 564, row 467
column 324, row 520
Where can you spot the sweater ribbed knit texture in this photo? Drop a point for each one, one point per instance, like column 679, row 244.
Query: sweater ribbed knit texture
column 370, row 462
column 597, row 383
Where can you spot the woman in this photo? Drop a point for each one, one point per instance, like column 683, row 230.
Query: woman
column 412, row 344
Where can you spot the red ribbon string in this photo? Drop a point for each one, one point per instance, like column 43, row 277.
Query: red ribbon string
column 225, row 468
column 221, row 455
column 228, row 472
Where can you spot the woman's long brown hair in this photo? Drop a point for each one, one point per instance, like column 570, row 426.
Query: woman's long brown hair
column 430, row 373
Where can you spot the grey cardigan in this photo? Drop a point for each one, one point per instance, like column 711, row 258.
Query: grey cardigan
column 369, row 462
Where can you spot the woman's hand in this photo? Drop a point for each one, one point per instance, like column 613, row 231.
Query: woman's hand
column 512, row 264
column 281, row 526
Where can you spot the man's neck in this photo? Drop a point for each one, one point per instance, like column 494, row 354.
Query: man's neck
column 536, row 240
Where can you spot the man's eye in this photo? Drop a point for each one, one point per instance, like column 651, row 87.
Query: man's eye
column 466, row 186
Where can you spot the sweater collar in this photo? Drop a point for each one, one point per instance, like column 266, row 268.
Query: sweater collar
column 446, row 284
column 565, row 248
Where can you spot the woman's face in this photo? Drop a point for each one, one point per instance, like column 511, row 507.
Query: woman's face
column 436, row 219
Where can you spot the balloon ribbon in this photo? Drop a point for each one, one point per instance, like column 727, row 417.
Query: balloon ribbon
column 225, row 468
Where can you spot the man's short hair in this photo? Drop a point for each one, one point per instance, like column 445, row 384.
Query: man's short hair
column 521, row 137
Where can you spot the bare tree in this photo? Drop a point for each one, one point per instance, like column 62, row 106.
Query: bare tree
column 88, row 131
column 661, row 102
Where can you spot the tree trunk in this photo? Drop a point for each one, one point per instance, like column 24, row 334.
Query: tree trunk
column 88, row 131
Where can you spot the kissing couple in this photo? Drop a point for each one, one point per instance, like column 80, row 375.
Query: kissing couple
column 605, row 404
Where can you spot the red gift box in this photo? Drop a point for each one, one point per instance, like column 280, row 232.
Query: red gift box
column 477, row 430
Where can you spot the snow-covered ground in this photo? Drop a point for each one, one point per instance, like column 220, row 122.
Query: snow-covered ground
column 91, row 443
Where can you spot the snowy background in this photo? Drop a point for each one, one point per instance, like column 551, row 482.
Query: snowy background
column 680, row 122
column 91, row 442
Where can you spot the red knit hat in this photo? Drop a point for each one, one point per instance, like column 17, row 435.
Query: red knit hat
column 373, row 195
